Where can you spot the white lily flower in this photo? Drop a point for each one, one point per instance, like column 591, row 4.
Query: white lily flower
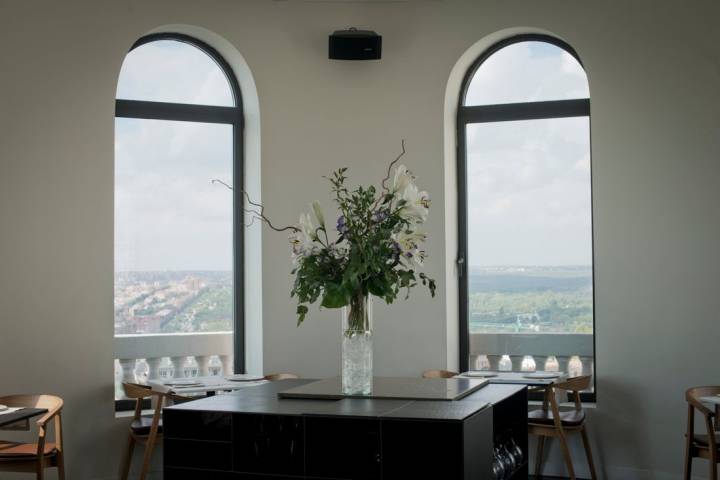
column 417, row 204
column 403, row 177
column 318, row 213
column 307, row 227
column 302, row 240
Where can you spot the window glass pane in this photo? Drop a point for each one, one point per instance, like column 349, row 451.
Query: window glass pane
column 173, row 227
column 527, row 72
column 173, row 71
column 529, row 227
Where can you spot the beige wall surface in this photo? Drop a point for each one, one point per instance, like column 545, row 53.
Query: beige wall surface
column 654, row 70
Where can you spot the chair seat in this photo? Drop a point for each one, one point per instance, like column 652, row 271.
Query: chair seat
column 15, row 450
column 143, row 425
column 702, row 439
column 570, row 418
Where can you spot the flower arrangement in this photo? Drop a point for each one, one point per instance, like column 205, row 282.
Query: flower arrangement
column 375, row 246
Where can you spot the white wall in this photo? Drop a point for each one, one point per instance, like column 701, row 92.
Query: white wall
column 654, row 74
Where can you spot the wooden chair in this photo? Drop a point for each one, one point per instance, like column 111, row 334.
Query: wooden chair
column 280, row 376
column 557, row 423
column 146, row 429
column 702, row 445
column 35, row 457
column 439, row 374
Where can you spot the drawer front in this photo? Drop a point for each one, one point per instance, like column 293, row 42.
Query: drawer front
column 423, row 449
column 173, row 473
column 269, row 444
column 347, row 448
column 192, row 474
column 197, row 454
column 191, row 425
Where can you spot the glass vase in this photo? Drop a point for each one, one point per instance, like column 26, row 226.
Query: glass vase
column 357, row 346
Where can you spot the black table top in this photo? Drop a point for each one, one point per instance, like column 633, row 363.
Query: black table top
column 20, row 415
column 263, row 399
column 445, row 389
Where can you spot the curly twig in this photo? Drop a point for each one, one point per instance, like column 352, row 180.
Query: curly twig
column 402, row 143
column 217, row 180
column 256, row 215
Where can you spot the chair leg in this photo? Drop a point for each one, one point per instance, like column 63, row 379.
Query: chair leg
column 687, row 472
column 61, row 465
column 127, row 458
column 539, row 454
column 566, row 455
column 588, row 453
column 40, row 474
column 147, row 458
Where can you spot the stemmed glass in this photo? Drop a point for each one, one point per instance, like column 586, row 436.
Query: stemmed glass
column 498, row 465
column 515, row 451
column 508, row 461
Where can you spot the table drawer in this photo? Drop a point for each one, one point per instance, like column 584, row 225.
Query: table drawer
column 269, row 444
column 196, row 474
column 190, row 425
column 347, row 448
column 197, row 454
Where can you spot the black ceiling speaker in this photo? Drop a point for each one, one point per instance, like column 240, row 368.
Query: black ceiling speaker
column 354, row 44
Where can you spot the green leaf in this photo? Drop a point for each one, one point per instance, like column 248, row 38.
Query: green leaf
column 378, row 287
column 335, row 296
column 302, row 310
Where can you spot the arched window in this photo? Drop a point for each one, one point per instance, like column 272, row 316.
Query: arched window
column 525, row 226
column 178, row 231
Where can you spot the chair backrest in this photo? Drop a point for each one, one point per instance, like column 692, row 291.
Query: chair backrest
column 575, row 385
column 693, row 395
column 51, row 402
column 137, row 391
column 280, row 376
column 140, row 393
column 439, row 374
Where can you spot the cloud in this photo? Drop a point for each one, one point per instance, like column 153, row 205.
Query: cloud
column 529, row 182
column 168, row 216
column 529, row 190
column 172, row 71
column 527, row 72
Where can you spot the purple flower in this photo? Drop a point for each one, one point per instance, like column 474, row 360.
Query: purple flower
column 341, row 226
column 378, row 217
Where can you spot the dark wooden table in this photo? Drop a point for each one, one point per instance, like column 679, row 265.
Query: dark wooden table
column 252, row 434
column 20, row 415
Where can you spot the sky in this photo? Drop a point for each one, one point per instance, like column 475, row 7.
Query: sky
column 168, row 215
column 529, row 182
column 172, row 71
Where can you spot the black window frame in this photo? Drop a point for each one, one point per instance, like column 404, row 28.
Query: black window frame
column 472, row 114
column 228, row 115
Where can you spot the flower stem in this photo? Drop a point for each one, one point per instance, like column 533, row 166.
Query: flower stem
column 358, row 320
